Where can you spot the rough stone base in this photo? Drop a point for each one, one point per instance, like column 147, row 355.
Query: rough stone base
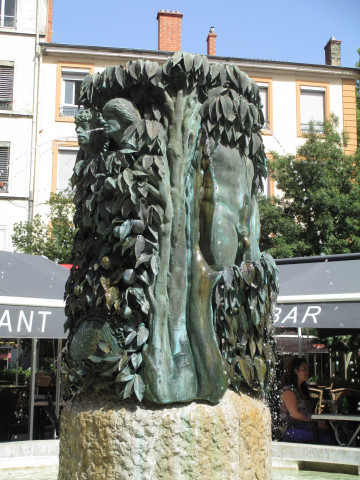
column 103, row 439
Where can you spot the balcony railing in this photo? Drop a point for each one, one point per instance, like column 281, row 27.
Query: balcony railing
column 8, row 21
column 3, row 187
column 70, row 110
column 318, row 127
column 5, row 104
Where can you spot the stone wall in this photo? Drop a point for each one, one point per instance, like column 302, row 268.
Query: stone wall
column 102, row 439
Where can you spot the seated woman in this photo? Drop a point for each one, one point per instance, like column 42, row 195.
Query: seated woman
column 296, row 408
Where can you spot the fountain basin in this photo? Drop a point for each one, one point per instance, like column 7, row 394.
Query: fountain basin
column 105, row 439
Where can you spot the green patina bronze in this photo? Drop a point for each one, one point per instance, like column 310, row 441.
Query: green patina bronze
column 169, row 298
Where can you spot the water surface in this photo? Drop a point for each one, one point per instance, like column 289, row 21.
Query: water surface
column 38, row 473
column 307, row 475
column 50, row 473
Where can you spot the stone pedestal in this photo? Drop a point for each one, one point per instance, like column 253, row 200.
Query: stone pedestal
column 104, row 439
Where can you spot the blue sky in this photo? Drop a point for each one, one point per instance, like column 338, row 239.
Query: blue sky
column 273, row 30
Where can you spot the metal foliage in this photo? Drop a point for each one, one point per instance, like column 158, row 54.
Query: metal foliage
column 122, row 200
column 242, row 303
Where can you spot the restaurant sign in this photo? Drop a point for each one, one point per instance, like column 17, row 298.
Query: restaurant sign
column 32, row 321
column 320, row 315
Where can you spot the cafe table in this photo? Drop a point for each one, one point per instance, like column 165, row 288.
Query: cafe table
column 337, row 420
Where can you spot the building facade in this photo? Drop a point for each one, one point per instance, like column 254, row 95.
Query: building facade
column 293, row 94
column 23, row 24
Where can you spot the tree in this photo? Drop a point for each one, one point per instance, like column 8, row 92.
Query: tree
column 54, row 238
column 319, row 212
column 357, row 88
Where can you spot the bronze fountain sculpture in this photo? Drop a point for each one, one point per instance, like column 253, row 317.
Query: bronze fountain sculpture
column 170, row 296
column 169, row 299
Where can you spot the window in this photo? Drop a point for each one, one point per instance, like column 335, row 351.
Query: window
column 6, row 85
column 69, row 80
column 7, row 13
column 268, row 182
column 71, row 85
column 265, row 90
column 64, row 156
column 4, row 166
column 265, row 192
column 313, row 106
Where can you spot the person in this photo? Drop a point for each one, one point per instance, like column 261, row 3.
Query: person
column 296, row 408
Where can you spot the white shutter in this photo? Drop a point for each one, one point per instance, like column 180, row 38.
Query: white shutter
column 6, row 86
column 312, row 107
column 66, row 162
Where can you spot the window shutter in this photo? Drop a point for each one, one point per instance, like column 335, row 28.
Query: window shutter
column 66, row 162
column 6, row 86
column 4, row 167
column 312, row 107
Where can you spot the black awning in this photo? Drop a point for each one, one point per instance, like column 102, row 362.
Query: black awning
column 323, row 292
column 31, row 296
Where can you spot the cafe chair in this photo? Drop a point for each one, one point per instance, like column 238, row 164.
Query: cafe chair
column 42, row 380
column 352, row 397
column 324, row 387
column 317, row 394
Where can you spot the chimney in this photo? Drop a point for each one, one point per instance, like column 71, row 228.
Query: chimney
column 333, row 52
column 211, row 42
column 169, row 30
column 49, row 30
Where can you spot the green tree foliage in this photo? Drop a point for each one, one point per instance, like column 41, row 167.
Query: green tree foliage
column 346, row 343
column 319, row 212
column 357, row 88
column 52, row 238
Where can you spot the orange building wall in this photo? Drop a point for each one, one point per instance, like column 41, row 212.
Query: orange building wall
column 349, row 114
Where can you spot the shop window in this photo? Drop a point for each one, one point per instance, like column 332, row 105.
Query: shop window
column 6, row 85
column 8, row 13
column 313, row 106
column 4, row 166
column 69, row 83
